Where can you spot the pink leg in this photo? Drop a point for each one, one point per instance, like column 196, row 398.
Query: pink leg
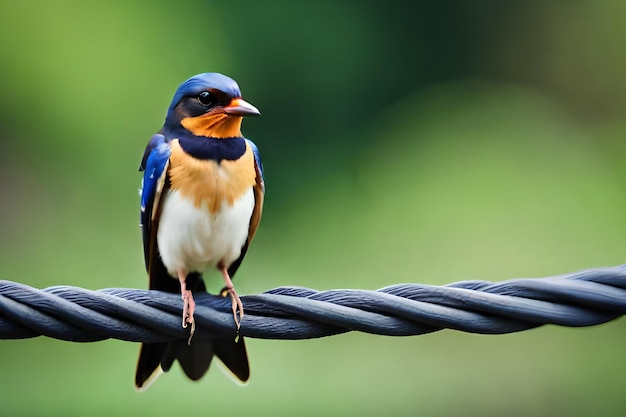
column 189, row 304
column 236, row 301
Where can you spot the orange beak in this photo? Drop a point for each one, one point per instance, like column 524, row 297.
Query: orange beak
column 240, row 107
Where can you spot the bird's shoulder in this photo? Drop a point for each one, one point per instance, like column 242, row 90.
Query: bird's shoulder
column 154, row 164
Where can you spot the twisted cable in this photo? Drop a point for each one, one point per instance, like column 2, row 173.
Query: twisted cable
column 583, row 298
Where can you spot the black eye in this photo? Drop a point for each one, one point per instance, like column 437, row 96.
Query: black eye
column 206, row 99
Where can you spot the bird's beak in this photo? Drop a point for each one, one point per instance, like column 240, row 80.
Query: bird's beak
column 240, row 107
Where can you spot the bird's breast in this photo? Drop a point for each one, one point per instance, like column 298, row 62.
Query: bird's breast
column 210, row 183
column 190, row 238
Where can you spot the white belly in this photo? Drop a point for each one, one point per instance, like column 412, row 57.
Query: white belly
column 191, row 239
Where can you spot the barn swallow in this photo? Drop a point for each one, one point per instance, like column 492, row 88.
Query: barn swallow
column 201, row 202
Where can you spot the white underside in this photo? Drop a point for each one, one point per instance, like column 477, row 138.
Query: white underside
column 191, row 239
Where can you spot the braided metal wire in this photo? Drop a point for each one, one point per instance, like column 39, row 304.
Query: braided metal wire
column 583, row 298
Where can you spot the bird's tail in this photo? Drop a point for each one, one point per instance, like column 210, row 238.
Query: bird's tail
column 194, row 358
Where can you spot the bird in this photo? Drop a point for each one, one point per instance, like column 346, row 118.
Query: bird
column 201, row 202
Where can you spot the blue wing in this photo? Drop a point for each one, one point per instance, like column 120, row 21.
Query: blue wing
column 257, row 160
column 154, row 167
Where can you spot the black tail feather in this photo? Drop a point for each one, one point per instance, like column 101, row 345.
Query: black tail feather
column 233, row 354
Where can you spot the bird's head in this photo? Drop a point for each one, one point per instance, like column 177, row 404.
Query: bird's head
column 209, row 104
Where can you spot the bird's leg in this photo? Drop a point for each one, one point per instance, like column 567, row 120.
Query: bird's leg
column 236, row 301
column 189, row 304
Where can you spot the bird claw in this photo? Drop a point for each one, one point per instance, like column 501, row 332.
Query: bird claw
column 237, row 306
column 189, row 307
column 191, row 331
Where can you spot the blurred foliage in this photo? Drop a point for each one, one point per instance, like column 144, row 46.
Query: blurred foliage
column 408, row 141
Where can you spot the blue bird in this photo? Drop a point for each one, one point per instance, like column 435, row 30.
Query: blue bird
column 201, row 202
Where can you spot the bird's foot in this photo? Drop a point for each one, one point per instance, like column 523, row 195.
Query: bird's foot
column 234, row 298
column 237, row 305
column 189, row 307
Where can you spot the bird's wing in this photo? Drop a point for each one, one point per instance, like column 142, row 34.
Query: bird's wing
column 154, row 165
column 259, row 192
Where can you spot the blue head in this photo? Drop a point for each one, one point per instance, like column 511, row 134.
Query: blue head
column 208, row 104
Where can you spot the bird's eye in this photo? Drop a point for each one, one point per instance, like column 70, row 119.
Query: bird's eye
column 206, row 99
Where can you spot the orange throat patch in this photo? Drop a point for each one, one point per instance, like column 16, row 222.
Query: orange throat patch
column 214, row 125
column 209, row 183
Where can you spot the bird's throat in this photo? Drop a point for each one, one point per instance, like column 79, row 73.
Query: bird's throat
column 214, row 125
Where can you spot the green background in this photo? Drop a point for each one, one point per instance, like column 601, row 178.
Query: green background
column 403, row 142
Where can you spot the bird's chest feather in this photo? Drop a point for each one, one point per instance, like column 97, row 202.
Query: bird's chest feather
column 206, row 213
column 208, row 183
